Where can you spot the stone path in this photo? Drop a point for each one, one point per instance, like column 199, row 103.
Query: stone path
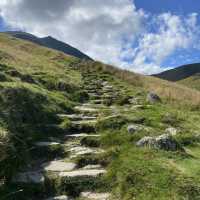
column 86, row 114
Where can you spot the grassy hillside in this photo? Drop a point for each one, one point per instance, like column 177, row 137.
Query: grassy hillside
column 187, row 75
column 180, row 73
column 50, row 43
column 192, row 82
column 37, row 84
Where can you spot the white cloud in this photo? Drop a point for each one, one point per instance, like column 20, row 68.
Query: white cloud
column 173, row 33
column 113, row 31
column 97, row 27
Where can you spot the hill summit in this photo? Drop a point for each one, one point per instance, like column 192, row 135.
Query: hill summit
column 180, row 73
column 50, row 42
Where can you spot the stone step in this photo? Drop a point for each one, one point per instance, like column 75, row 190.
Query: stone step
column 92, row 105
column 86, row 109
column 76, row 151
column 92, row 167
column 97, row 101
column 77, row 117
column 46, row 144
column 108, row 87
column 95, row 196
column 95, row 95
column 63, row 197
column 84, row 122
column 83, row 173
column 58, row 166
column 81, row 135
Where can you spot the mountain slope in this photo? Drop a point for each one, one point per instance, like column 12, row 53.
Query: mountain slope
column 70, row 127
column 180, row 73
column 51, row 43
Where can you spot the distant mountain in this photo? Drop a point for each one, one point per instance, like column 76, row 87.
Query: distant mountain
column 180, row 73
column 50, row 42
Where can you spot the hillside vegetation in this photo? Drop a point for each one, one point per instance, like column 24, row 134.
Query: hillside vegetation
column 180, row 73
column 187, row 75
column 90, row 116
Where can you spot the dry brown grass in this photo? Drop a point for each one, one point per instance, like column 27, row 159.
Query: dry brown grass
column 28, row 57
column 172, row 92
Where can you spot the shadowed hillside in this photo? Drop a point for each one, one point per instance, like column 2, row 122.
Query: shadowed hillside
column 180, row 73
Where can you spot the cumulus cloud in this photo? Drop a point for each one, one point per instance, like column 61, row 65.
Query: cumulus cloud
column 97, row 27
column 172, row 33
column 113, row 31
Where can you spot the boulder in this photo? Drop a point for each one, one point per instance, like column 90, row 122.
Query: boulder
column 153, row 98
column 165, row 142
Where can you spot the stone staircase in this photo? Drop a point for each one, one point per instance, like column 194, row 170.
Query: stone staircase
column 61, row 171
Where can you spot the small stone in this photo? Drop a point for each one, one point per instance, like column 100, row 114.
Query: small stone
column 153, row 98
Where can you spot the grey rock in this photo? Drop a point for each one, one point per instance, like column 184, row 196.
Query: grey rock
column 133, row 128
column 146, row 142
column 153, row 98
column 164, row 142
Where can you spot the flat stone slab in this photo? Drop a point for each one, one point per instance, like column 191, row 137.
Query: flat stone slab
column 59, row 198
column 83, row 173
column 79, row 150
column 29, row 177
column 86, row 109
column 59, row 166
column 92, row 167
column 82, row 122
column 92, row 105
column 95, row 196
column 97, row 101
column 77, row 117
column 46, row 144
column 81, row 135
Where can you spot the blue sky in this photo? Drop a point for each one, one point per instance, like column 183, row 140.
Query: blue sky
column 175, row 6
column 145, row 36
